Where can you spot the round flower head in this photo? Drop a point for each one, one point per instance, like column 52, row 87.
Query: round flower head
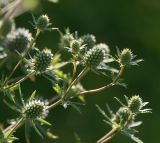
column 18, row 39
column 43, row 22
column 35, row 109
column 135, row 103
column 125, row 57
column 89, row 40
column 104, row 47
column 94, row 57
column 42, row 60
column 7, row 26
column 121, row 116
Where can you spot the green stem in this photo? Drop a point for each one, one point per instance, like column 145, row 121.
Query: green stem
column 107, row 86
column 115, row 131
column 82, row 73
column 8, row 131
column 55, row 104
column 22, row 58
column 65, row 97
column 20, row 81
column 108, row 136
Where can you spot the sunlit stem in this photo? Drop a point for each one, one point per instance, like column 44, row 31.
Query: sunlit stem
column 20, row 81
column 75, row 81
column 9, row 130
column 107, row 86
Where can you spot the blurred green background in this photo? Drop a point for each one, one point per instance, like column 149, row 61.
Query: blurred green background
column 123, row 23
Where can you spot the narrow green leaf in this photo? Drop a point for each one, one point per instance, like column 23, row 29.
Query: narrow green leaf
column 44, row 121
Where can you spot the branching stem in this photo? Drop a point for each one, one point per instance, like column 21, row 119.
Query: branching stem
column 107, row 86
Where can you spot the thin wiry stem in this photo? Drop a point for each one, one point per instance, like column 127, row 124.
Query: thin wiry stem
column 107, row 86
column 78, row 78
column 20, row 81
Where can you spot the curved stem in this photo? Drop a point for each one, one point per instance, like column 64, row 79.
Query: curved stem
column 107, row 86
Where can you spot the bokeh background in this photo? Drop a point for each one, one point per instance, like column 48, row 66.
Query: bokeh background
column 123, row 23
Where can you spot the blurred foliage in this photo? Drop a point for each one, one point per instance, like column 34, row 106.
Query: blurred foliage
column 126, row 24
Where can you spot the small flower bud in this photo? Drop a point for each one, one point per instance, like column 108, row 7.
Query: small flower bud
column 122, row 116
column 18, row 39
column 42, row 60
column 42, row 22
column 89, row 40
column 7, row 26
column 94, row 57
column 75, row 45
column 66, row 40
column 126, row 56
column 35, row 109
column 135, row 103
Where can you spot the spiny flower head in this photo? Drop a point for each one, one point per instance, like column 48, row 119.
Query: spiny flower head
column 42, row 22
column 135, row 103
column 35, row 109
column 89, row 40
column 18, row 39
column 122, row 116
column 42, row 60
column 94, row 57
column 125, row 57
column 66, row 39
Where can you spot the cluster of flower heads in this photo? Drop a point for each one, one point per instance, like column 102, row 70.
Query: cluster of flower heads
column 86, row 52
column 124, row 119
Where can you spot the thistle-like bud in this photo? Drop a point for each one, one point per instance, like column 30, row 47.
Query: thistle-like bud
column 135, row 103
column 18, row 39
column 7, row 26
column 66, row 40
column 42, row 60
column 43, row 22
column 125, row 57
column 75, row 45
column 122, row 116
column 94, row 57
column 104, row 47
column 35, row 109
column 89, row 40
